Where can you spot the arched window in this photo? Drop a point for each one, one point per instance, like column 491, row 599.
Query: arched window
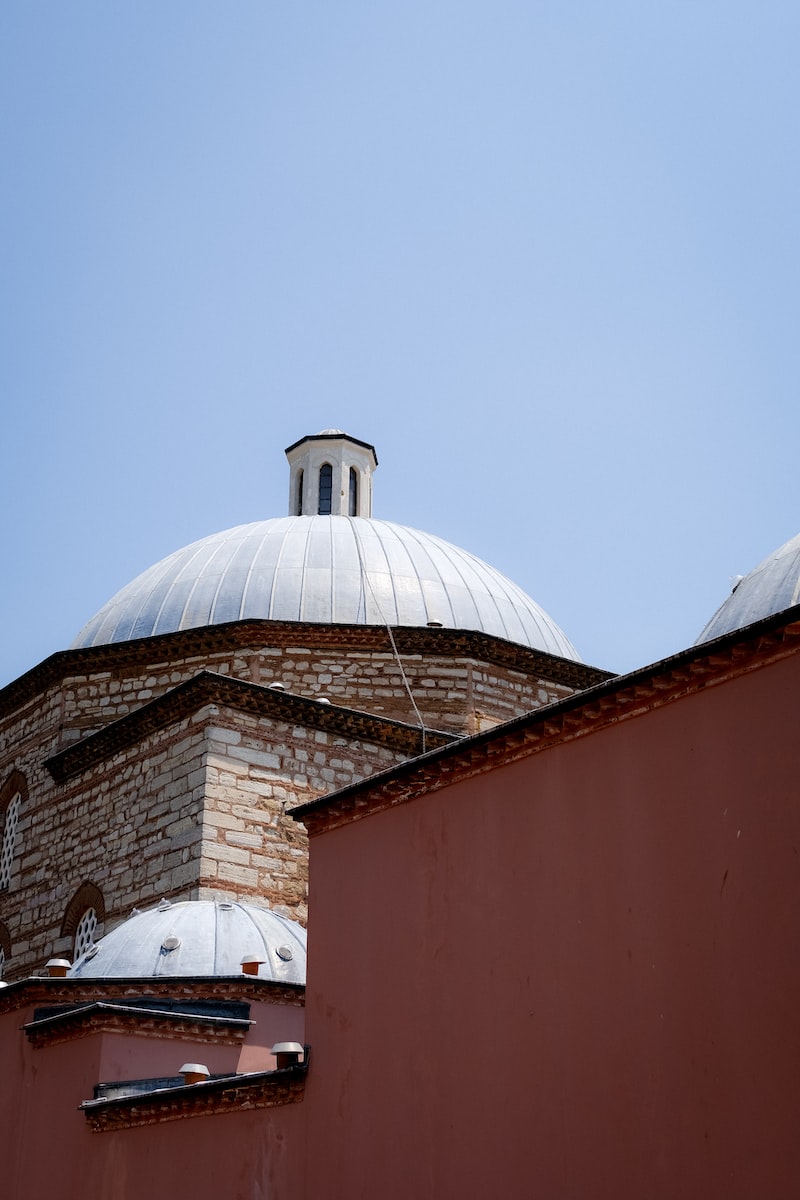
column 353, row 505
column 85, row 913
column 325, row 489
column 12, row 794
column 84, row 934
column 5, row 949
column 299, row 493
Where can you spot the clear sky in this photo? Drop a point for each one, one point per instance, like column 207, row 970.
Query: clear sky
column 544, row 254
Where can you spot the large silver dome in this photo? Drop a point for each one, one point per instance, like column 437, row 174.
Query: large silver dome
column 770, row 587
column 198, row 937
column 324, row 569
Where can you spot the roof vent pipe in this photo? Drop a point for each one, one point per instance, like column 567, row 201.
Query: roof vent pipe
column 194, row 1072
column 57, row 967
column 250, row 964
column 287, row 1054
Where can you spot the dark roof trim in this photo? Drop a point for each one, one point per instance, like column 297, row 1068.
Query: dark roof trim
column 149, row 653
column 332, row 437
column 24, row 993
column 229, row 1093
column 625, row 696
column 150, row 1022
column 209, row 688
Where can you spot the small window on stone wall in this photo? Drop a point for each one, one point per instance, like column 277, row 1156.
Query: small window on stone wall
column 83, row 919
column 9, row 841
column 13, row 795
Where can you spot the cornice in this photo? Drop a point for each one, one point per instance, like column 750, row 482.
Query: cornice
column 44, row 990
column 576, row 716
column 116, row 1017
column 232, row 1093
column 150, row 653
column 207, row 687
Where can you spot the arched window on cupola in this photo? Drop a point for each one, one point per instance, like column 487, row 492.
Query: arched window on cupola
column 325, row 490
column 298, row 508
column 5, row 949
column 352, row 506
column 83, row 919
column 12, row 796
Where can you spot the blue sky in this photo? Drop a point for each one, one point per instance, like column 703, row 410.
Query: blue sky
column 545, row 256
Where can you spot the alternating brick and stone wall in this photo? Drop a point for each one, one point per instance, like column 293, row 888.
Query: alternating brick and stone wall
column 167, row 767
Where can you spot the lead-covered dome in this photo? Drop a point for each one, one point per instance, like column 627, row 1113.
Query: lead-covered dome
column 324, row 569
column 770, row 587
column 198, row 937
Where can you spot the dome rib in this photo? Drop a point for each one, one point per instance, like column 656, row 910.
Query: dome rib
column 324, row 569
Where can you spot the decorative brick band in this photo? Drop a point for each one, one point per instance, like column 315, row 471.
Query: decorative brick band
column 234, row 1093
column 45, row 990
column 209, row 688
column 243, row 635
column 102, row 1017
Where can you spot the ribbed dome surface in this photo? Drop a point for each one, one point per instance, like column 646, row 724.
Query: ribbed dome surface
column 198, row 937
column 770, row 587
column 329, row 569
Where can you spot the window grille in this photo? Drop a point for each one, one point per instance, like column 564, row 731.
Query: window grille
column 84, row 934
column 9, row 839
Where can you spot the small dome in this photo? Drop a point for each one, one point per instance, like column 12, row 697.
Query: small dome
column 329, row 570
column 770, row 587
column 198, row 937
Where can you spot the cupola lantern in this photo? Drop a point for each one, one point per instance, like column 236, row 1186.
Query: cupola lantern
column 330, row 474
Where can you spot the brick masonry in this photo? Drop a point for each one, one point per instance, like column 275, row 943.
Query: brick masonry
column 192, row 801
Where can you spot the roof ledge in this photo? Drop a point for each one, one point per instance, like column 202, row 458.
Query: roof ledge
column 173, row 1100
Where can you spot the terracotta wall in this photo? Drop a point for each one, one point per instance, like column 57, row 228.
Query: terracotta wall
column 50, row 1149
column 575, row 976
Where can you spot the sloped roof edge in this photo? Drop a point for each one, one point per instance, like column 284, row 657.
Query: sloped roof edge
column 610, row 701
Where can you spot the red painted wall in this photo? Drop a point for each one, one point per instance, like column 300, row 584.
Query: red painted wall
column 575, row 976
column 49, row 1147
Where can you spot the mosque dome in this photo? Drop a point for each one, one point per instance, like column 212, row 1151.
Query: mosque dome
column 198, row 937
column 769, row 588
column 328, row 562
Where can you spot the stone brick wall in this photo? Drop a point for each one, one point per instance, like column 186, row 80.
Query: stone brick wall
column 192, row 802
column 462, row 695
column 194, row 810
column 256, row 771
column 448, row 672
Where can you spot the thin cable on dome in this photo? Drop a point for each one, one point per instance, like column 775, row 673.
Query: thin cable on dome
column 365, row 575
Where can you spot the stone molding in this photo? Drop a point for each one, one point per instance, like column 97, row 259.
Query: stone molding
column 208, row 687
column 253, row 635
